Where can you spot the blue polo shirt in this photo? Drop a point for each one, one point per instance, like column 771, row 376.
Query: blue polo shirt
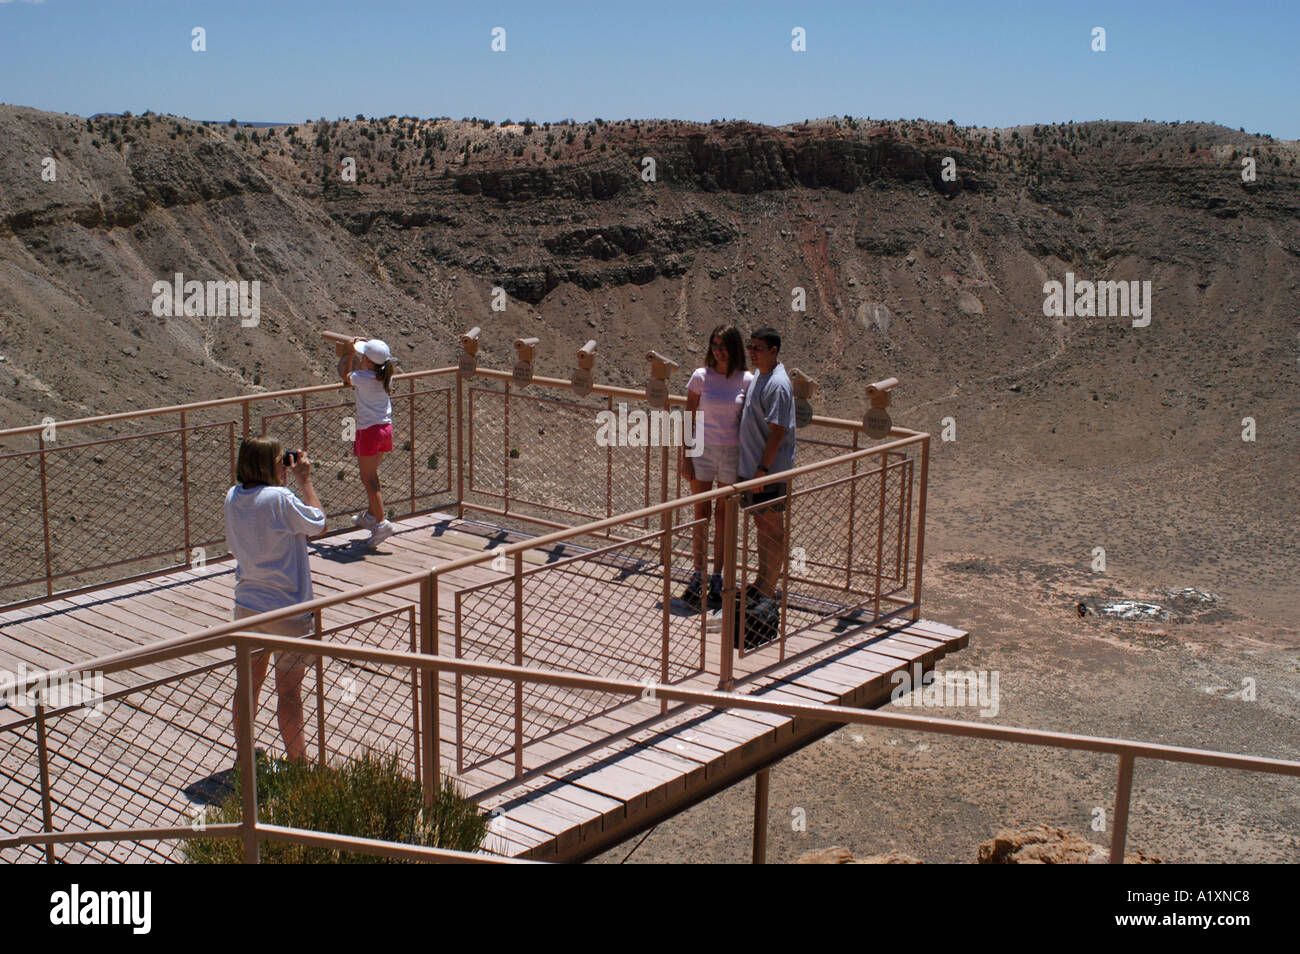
column 770, row 400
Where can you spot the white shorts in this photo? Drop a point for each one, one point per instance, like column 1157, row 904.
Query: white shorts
column 717, row 463
column 297, row 627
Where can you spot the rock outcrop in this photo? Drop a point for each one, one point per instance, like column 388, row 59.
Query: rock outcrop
column 1045, row 845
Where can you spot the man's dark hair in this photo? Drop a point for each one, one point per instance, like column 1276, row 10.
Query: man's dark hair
column 769, row 337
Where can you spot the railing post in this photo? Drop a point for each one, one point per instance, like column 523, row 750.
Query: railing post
column 185, row 486
column 320, row 690
column 43, row 760
column 666, row 555
column 244, row 404
column 45, row 518
column 853, row 509
column 429, row 701
column 246, row 756
column 880, row 528
column 726, row 650
column 230, row 444
column 902, row 502
column 505, row 499
column 304, row 425
column 460, row 446
column 411, row 442
column 760, row 816
column 920, row 526
column 787, row 525
column 609, row 465
column 1122, row 789
column 519, row 661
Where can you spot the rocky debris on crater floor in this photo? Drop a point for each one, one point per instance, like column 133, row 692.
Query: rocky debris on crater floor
column 1045, row 845
column 1184, row 604
column 842, row 856
column 1191, row 596
column 1039, row 845
column 1133, row 609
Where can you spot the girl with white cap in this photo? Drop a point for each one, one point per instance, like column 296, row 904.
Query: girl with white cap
column 374, row 418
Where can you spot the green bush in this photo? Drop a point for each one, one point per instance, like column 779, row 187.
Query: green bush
column 368, row 797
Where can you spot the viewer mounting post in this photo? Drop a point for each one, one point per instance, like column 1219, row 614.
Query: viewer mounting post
column 581, row 380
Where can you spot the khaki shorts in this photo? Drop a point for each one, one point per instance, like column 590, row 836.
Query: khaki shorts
column 296, row 627
column 717, row 463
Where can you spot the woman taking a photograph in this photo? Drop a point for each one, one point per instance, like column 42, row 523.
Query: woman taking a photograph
column 267, row 526
column 717, row 392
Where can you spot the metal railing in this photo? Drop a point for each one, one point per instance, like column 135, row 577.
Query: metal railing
column 82, row 500
column 426, row 670
column 85, row 502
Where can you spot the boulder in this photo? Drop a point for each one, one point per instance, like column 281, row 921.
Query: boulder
column 1044, row 845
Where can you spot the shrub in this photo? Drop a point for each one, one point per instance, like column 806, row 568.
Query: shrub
column 368, row 797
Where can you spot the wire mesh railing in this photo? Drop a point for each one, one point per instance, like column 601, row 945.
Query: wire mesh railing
column 843, row 535
column 366, row 707
column 95, row 501
column 161, row 753
column 605, row 612
column 101, row 500
column 539, row 457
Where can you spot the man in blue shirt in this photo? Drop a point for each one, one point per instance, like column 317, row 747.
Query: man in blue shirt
column 767, row 448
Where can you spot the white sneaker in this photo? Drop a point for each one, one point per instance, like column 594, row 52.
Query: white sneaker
column 364, row 521
column 381, row 533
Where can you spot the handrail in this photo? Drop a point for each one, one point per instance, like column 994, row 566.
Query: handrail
column 730, row 700
column 490, row 373
column 201, row 405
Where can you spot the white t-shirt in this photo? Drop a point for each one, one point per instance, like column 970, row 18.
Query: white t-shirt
column 373, row 406
column 267, row 530
column 721, row 400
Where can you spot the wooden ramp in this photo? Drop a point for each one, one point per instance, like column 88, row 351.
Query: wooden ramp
column 594, row 803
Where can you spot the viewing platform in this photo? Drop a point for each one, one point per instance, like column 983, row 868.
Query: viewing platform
column 585, row 803
column 527, row 560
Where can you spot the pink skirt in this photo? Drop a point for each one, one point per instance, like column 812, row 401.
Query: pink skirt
column 377, row 439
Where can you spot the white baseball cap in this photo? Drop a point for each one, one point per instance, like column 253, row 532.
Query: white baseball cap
column 374, row 349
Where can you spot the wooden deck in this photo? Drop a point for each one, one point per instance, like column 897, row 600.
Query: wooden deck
column 592, row 804
column 143, row 774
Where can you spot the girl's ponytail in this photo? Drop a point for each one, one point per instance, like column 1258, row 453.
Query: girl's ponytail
column 385, row 374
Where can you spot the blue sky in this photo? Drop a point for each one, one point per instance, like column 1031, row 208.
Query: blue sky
column 991, row 63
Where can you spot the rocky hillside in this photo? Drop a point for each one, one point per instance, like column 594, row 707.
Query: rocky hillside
column 921, row 248
column 905, row 272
